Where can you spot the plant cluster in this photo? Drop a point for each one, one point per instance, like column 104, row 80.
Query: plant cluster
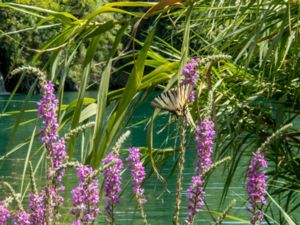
column 44, row 205
column 253, row 96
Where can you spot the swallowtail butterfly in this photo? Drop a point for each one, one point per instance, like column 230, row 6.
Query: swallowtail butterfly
column 174, row 100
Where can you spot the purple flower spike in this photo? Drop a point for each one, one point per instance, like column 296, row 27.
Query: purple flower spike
column 4, row 214
column 195, row 197
column 58, row 155
column 85, row 196
column 38, row 210
column 190, row 73
column 256, row 186
column 56, row 152
column 112, row 182
column 21, row 217
column 204, row 138
column 47, row 110
column 137, row 172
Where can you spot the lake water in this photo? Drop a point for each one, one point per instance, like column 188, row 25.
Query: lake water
column 159, row 207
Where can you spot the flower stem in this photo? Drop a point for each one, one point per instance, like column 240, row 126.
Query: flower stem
column 143, row 214
column 180, row 173
column 112, row 216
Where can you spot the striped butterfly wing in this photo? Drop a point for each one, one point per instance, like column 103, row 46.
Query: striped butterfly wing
column 166, row 101
column 184, row 91
column 173, row 100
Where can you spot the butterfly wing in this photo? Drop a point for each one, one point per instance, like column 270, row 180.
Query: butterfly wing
column 164, row 102
column 190, row 119
column 183, row 93
column 173, row 100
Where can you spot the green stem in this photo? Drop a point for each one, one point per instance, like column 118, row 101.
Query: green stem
column 112, row 217
column 143, row 214
column 14, row 195
column 180, row 173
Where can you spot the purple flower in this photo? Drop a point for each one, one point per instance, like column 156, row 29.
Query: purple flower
column 84, row 172
column 195, row 197
column 190, row 73
column 56, row 152
column 57, row 156
column 137, row 173
column 54, row 200
column 38, row 209
column 85, row 196
column 76, row 223
column 112, row 182
column 204, row 138
column 21, row 217
column 47, row 110
column 4, row 214
column 256, row 186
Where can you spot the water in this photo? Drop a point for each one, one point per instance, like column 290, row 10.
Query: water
column 159, row 207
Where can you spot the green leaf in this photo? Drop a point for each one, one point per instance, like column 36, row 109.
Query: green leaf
column 59, row 41
column 99, row 29
column 135, row 77
column 101, row 106
column 65, row 17
column 27, row 158
column 285, row 215
column 109, row 7
column 88, row 112
column 84, row 80
column 91, row 51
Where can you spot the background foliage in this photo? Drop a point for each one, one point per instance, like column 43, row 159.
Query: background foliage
column 23, row 38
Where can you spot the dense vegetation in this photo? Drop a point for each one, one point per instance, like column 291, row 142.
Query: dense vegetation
column 254, row 94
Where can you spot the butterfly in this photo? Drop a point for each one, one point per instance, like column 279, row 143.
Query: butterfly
column 175, row 101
